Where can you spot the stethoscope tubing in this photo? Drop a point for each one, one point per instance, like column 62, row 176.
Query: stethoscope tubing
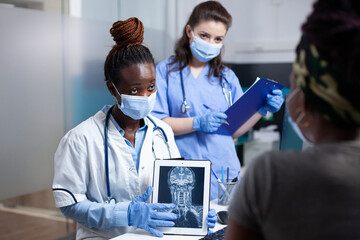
column 106, row 147
column 106, row 151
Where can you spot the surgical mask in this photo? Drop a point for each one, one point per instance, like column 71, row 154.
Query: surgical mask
column 293, row 124
column 136, row 107
column 297, row 129
column 203, row 50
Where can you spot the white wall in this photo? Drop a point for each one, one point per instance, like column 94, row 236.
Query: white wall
column 264, row 30
column 51, row 71
column 31, row 99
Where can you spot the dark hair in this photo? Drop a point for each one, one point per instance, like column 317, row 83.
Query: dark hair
column 334, row 28
column 210, row 10
column 128, row 50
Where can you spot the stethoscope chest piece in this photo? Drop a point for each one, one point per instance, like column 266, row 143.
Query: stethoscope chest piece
column 185, row 107
column 110, row 201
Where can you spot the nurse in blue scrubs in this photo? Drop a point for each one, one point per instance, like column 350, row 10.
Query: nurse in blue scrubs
column 195, row 88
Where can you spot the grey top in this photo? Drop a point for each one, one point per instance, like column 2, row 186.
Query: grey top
column 313, row 194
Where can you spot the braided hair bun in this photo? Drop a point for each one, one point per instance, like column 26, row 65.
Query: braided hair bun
column 127, row 33
column 128, row 50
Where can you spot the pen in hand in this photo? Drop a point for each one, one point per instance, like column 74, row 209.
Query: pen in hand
column 205, row 106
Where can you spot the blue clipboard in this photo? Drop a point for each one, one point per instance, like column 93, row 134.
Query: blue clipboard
column 247, row 105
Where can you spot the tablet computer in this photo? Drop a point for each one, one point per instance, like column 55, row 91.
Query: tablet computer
column 186, row 183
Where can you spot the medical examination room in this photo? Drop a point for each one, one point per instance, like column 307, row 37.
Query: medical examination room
column 180, row 119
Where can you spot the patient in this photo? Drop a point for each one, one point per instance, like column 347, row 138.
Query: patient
column 314, row 194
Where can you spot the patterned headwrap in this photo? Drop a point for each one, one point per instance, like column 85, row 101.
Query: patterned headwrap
column 321, row 89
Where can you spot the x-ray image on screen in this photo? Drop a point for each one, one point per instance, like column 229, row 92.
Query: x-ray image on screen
column 183, row 186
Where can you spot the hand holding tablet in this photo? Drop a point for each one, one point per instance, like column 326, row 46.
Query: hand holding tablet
column 143, row 215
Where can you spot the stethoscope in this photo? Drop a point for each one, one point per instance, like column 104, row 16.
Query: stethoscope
column 110, row 199
column 185, row 106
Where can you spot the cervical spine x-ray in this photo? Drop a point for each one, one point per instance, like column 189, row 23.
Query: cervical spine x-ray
column 185, row 192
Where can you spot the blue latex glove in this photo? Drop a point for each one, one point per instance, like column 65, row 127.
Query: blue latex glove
column 273, row 102
column 211, row 219
column 98, row 215
column 144, row 215
column 209, row 122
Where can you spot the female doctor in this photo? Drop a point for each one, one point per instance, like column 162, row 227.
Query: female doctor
column 104, row 166
column 195, row 88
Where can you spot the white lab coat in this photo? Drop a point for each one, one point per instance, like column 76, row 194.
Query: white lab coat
column 80, row 166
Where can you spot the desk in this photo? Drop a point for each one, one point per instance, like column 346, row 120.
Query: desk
column 140, row 234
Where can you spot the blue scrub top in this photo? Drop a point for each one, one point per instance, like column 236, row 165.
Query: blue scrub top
column 206, row 90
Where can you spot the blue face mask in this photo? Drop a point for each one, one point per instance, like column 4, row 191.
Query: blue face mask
column 136, row 107
column 297, row 130
column 293, row 124
column 203, row 50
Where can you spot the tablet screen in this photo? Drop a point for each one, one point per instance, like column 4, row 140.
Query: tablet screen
column 186, row 183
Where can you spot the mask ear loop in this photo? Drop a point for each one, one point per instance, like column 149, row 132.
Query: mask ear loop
column 291, row 95
column 300, row 117
column 117, row 103
column 299, row 110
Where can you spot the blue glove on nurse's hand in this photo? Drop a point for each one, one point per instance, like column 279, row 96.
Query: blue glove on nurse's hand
column 209, row 122
column 144, row 215
column 211, row 219
column 273, row 102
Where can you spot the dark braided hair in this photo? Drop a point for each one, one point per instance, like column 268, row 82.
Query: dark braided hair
column 128, row 50
column 333, row 28
column 208, row 11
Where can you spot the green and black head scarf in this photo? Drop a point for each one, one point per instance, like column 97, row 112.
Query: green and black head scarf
column 322, row 90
